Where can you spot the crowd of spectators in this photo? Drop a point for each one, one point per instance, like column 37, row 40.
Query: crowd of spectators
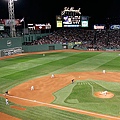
column 82, row 38
column 89, row 39
column 6, row 33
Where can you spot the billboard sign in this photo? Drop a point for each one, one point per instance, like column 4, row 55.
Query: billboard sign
column 99, row 27
column 84, row 23
column 42, row 26
column 58, row 21
column 71, row 21
column 1, row 27
column 115, row 27
column 7, row 22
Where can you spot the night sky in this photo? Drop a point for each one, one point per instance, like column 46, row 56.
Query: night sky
column 43, row 11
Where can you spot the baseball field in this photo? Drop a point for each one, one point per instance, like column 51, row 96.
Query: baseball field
column 94, row 95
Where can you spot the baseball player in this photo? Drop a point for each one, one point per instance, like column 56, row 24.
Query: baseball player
column 72, row 80
column 6, row 93
column 7, row 101
column 32, row 87
column 104, row 71
column 52, row 76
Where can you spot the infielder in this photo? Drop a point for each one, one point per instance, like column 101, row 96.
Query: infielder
column 32, row 87
column 6, row 93
column 52, row 76
column 104, row 71
column 72, row 80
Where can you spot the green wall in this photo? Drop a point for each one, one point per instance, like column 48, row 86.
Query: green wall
column 44, row 47
column 31, row 37
column 6, row 43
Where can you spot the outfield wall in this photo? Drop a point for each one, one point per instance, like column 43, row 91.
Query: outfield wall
column 6, row 43
column 10, row 46
column 44, row 47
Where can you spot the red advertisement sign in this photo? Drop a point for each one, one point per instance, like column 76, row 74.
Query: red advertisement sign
column 42, row 26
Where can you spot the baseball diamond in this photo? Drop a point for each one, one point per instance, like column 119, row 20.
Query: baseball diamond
column 59, row 62
column 82, row 97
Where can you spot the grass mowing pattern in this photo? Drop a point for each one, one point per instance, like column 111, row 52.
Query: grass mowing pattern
column 82, row 97
column 16, row 70
column 112, row 65
column 42, row 113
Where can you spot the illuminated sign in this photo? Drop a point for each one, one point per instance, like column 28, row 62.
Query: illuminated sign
column 59, row 23
column 8, row 22
column 42, row 26
column 1, row 26
column 99, row 27
column 39, row 26
column 71, row 21
column 71, row 17
column 115, row 27
column 71, row 9
column 84, row 23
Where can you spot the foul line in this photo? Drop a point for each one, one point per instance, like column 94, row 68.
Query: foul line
column 67, row 108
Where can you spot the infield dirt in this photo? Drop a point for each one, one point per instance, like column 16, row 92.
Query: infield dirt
column 46, row 86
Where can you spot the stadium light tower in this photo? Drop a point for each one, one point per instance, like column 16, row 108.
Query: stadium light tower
column 12, row 17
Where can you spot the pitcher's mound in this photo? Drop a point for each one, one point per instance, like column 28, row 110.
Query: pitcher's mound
column 100, row 95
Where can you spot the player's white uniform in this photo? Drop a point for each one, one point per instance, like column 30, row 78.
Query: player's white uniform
column 7, row 102
column 104, row 71
column 104, row 93
column 32, row 87
column 52, row 76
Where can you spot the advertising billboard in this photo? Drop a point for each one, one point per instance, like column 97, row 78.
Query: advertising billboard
column 7, row 22
column 1, row 27
column 84, row 21
column 99, row 27
column 71, row 21
column 115, row 27
column 58, row 21
column 42, row 26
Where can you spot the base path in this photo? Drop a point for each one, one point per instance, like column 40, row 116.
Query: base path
column 46, row 86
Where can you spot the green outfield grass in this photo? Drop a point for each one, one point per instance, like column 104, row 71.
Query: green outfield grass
column 81, row 96
column 14, row 71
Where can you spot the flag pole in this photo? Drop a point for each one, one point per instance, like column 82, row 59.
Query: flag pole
column 24, row 26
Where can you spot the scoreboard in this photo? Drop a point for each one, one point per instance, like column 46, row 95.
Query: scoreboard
column 68, row 21
column 71, row 21
column 71, row 18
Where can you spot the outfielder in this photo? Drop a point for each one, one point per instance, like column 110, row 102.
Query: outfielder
column 7, row 101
